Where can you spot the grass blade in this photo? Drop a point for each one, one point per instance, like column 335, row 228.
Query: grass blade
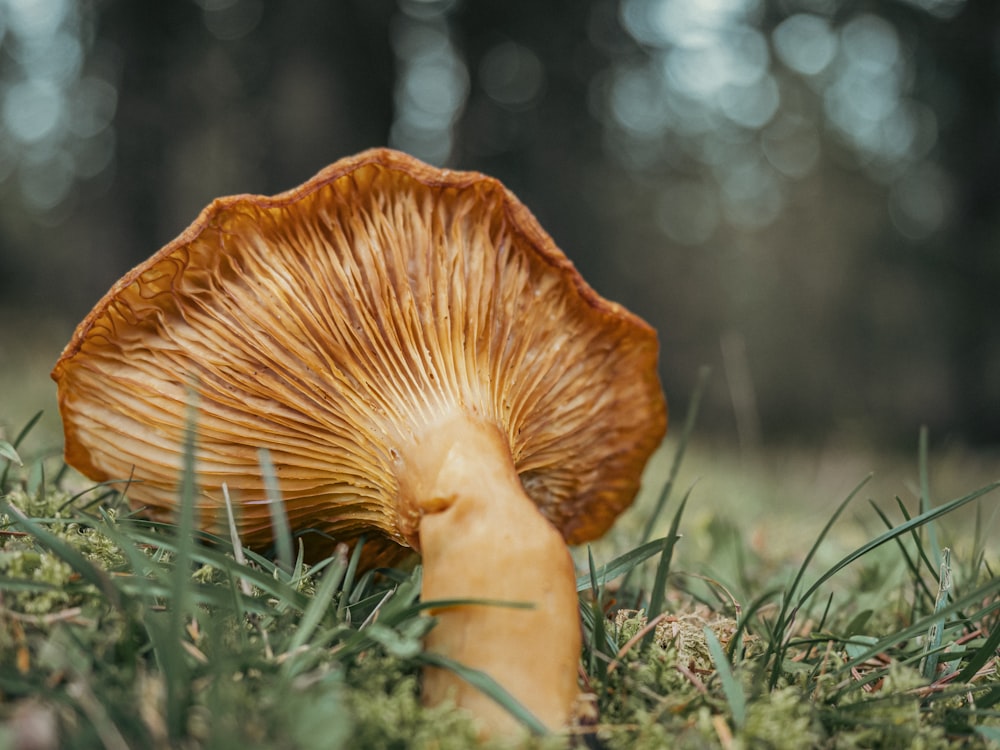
column 925, row 497
column 920, row 547
column 785, row 618
column 279, row 519
column 10, row 453
column 989, row 733
column 621, row 565
column 17, row 444
column 599, row 641
column 658, row 595
column 488, row 685
column 692, row 416
column 929, row 668
column 352, row 570
column 320, row 603
column 819, row 540
column 162, row 537
column 70, row 555
column 983, row 654
column 234, row 538
column 22, row 584
column 987, row 591
column 436, row 604
column 28, row 427
column 744, row 620
column 912, row 565
column 170, row 653
column 100, row 485
column 730, row 685
column 904, row 528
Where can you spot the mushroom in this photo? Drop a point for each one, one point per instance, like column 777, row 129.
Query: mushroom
column 425, row 367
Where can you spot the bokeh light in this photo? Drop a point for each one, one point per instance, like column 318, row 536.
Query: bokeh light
column 512, row 75
column 920, row 201
column 56, row 116
column 229, row 20
column 794, row 171
column 432, row 83
column 805, row 42
column 714, row 85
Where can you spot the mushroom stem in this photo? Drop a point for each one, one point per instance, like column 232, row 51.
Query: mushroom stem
column 482, row 537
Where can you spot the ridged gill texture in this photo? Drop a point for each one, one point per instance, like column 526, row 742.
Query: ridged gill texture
column 335, row 323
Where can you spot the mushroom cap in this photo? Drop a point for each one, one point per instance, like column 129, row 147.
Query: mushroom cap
column 334, row 322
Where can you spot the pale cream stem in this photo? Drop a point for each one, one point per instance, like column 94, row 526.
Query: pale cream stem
column 481, row 537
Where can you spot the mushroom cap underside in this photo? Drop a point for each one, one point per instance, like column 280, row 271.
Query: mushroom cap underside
column 335, row 322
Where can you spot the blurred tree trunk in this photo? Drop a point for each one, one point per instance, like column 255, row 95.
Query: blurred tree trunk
column 548, row 151
column 200, row 117
column 152, row 41
column 970, row 149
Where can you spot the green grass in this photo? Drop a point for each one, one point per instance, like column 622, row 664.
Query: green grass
column 117, row 632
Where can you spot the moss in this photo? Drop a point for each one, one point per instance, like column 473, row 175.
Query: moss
column 384, row 702
column 783, row 720
column 670, row 673
column 241, row 696
column 23, row 558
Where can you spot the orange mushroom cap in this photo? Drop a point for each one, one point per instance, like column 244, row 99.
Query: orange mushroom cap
column 331, row 324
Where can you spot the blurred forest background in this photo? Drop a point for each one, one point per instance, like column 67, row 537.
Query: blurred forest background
column 804, row 194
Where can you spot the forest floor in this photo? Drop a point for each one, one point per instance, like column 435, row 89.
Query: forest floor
column 793, row 598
